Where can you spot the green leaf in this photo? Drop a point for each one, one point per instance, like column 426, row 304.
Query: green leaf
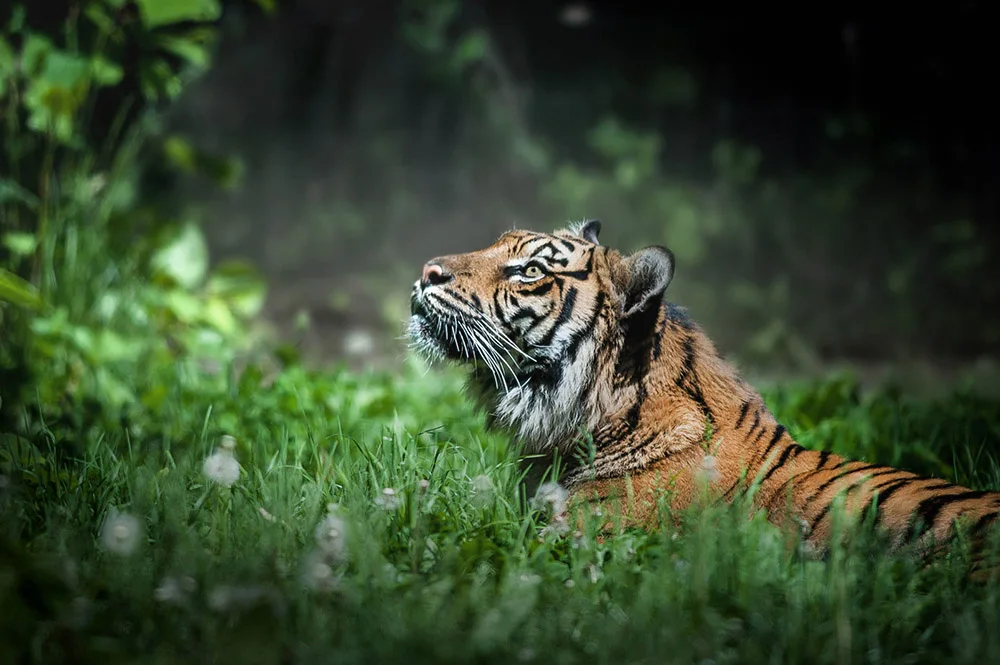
column 6, row 64
column 105, row 72
column 240, row 285
column 180, row 153
column 33, row 53
column 194, row 53
column 20, row 243
column 269, row 6
column 184, row 260
column 17, row 291
column 470, row 49
column 218, row 315
column 100, row 18
column 57, row 91
column 156, row 13
column 11, row 191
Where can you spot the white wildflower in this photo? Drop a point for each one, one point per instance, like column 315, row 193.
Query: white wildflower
column 557, row 526
column 359, row 342
column 175, row 590
column 318, row 572
column 121, row 532
column 388, row 500
column 423, row 484
column 331, row 535
column 482, row 490
column 221, row 466
column 551, row 497
column 709, row 469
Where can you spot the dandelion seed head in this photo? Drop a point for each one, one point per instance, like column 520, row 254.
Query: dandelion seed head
column 482, row 490
column 121, row 532
column 388, row 500
column 227, row 442
column 318, row 572
column 359, row 342
column 709, row 468
column 222, row 468
column 175, row 590
column 331, row 537
column 551, row 497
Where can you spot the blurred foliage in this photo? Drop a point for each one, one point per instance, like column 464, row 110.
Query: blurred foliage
column 105, row 285
column 370, row 517
column 459, row 134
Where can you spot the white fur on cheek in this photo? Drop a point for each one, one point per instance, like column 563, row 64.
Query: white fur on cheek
column 547, row 416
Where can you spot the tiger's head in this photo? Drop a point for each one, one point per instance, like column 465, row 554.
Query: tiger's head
column 540, row 319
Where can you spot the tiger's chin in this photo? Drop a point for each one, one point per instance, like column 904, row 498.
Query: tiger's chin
column 425, row 340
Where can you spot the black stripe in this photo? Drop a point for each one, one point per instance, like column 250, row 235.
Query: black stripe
column 544, row 246
column 477, row 302
column 779, row 431
column 539, row 290
column 743, row 413
column 498, row 308
column 755, row 424
column 850, row 488
column 519, row 247
column 791, row 452
column 982, row 523
column 687, row 380
column 565, row 314
column 867, row 467
column 578, row 336
column 661, row 330
column 928, row 510
column 580, row 274
column 888, row 489
column 567, row 244
column 824, row 455
column 525, row 313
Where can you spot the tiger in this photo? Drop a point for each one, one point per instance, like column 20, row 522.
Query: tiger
column 569, row 341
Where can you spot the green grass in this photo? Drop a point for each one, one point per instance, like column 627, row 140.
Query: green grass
column 451, row 567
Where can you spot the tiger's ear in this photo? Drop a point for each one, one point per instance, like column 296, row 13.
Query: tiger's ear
column 588, row 229
column 649, row 273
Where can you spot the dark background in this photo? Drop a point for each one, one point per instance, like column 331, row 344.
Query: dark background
column 853, row 218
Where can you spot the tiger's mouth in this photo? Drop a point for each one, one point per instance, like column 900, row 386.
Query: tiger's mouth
column 429, row 333
column 441, row 330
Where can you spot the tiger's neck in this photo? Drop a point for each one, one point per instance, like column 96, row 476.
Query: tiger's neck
column 673, row 393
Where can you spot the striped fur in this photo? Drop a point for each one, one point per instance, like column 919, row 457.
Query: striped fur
column 569, row 340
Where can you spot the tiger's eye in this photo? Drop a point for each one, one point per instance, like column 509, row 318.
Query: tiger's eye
column 532, row 271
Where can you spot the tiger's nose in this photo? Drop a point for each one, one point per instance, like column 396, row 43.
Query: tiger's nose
column 434, row 274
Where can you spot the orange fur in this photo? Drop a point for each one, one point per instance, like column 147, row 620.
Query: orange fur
column 582, row 343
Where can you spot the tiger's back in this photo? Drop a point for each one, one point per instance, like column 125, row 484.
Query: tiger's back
column 568, row 340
